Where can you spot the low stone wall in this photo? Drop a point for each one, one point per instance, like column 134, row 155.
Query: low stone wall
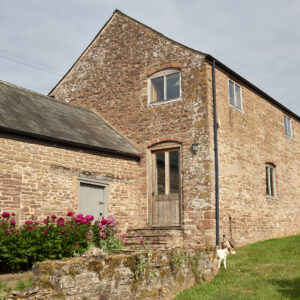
column 140, row 275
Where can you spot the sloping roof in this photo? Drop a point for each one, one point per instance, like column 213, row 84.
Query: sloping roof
column 208, row 57
column 35, row 115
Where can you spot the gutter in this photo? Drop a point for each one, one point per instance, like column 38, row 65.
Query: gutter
column 216, row 152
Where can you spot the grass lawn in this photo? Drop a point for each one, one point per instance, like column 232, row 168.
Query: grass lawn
column 264, row 270
column 16, row 282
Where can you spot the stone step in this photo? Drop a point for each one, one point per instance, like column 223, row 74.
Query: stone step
column 155, row 237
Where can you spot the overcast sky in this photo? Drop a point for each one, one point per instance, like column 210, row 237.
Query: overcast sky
column 259, row 39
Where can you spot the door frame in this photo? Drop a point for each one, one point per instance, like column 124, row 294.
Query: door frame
column 167, row 146
column 103, row 184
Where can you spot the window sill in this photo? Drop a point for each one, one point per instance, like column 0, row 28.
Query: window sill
column 236, row 108
column 289, row 137
column 272, row 197
column 157, row 103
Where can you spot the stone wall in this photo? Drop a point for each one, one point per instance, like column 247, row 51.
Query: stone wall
column 111, row 78
column 247, row 141
column 115, row 276
column 41, row 179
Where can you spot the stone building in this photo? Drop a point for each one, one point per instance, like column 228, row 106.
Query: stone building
column 211, row 154
column 57, row 157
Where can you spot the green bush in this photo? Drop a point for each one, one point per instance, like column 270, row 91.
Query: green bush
column 54, row 238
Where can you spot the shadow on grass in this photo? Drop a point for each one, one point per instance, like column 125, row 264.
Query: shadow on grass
column 288, row 288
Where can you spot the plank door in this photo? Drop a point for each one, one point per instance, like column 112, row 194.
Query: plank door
column 92, row 200
column 166, row 188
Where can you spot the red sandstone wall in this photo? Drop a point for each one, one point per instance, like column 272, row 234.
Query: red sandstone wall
column 41, row 180
column 246, row 142
column 111, row 78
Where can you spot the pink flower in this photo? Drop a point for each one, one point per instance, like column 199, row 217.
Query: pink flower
column 44, row 232
column 105, row 221
column 61, row 221
column 80, row 216
column 28, row 222
column 77, row 244
column 6, row 215
column 112, row 219
column 70, row 214
column 45, row 221
column 103, row 235
column 13, row 222
column 13, row 214
column 89, row 217
column 83, row 221
column 30, row 227
column 53, row 217
column 63, row 231
column 36, row 222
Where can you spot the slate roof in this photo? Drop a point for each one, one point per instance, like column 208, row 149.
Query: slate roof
column 35, row 115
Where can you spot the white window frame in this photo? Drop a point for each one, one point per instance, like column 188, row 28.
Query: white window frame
column 271, row 184
column 287, row 123
column 234, row 96
column 163, row 73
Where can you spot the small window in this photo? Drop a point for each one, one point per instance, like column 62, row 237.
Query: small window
column 270, row 180
column 165, row 85
column 287, row 126
column 235, row 97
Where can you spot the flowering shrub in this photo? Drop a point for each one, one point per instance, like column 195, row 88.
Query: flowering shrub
column 54, row 238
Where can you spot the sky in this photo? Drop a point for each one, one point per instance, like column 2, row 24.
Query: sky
column 258, row 39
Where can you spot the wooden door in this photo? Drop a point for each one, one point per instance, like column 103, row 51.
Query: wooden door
column 166, row 188
column 92, row 200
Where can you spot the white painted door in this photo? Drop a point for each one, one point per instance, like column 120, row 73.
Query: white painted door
column 92, row 200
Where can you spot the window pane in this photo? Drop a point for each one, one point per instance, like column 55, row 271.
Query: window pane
column 238, row 96
column 157, row 89
column 160, row 169
column 173, row 86
column 267, row 181
column 287, row 126
column 271, row 182
column 231, row 92
column 174, row 173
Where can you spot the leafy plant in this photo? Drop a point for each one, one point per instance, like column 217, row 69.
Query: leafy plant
column 144, row 258
column 179, row 259
column 54, row 238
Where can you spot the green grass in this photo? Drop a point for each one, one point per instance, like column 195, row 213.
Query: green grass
column 20, row 286
column 264, row 270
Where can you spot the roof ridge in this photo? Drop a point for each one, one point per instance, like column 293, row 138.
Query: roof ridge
column 46, row 97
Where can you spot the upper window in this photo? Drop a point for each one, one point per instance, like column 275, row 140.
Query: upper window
column 235, row 95
column 287, row 126
column 270, row 180
column 165, row 85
